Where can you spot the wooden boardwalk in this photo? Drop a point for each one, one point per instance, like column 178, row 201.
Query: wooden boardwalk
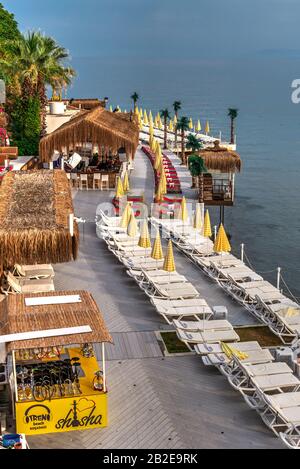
column 131, row 345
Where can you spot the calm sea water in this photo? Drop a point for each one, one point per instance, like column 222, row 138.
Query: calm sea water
column 266, row 216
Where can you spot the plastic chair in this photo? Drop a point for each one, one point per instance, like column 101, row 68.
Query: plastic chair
column 105, row 181
column 74, row 180
column 83, row 182
column 97, row 181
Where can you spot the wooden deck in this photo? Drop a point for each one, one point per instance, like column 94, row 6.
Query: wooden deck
column 155, row 402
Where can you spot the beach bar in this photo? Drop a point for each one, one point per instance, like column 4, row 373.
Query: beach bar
column 55, row 381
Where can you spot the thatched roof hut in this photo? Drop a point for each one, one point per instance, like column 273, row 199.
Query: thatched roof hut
column 222, row 159
column 34, row 218
column 87, row 104
column 16, row 317
column 99, row 127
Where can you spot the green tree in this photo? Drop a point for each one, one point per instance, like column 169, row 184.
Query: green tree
column 195, row 145
column 197, row 169
column 134, row 97
column 164, row 113
column 26, row 125
column 176, row 107
column 232, row 113
column 9, row 31
column 182, row 126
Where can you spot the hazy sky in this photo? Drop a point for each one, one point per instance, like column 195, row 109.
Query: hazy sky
column 164, row 28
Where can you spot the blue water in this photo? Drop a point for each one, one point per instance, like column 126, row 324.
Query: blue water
column 266, row 215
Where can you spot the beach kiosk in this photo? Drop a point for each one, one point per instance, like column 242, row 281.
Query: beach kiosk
column 56, row 372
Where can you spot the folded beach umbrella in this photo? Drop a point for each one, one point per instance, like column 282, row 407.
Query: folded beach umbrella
column 198, row 128
column 207, row 225
column 145, row 118
column 159, row 194
column 171, row 126
column 120, row 190
column 126, row 216
column 221, row 243
column 191, row 125
column 141, row 113
column 126, row 186
column 207, row 128
column 150, row 118
column 163, row 182
column 183, row 211
column 136, row 111
column 198, row 222
column 132, row 228
column 169, row 264
column 175, row 120
column 232, row 352
column 156, row 122
column 144, row 241
column 158, row 157
column 157, row 252
column 110, row 108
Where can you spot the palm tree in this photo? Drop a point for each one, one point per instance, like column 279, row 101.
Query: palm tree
column 197, row 169
column 195, row 145
column 135, row 97
column 37, row 61
column 176, row 107
column 164, row 113
column 182, row 126
column 232, row 113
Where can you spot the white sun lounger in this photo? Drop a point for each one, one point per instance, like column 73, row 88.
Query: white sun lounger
column 192, row 338
column 173, row 291
column 195, row 326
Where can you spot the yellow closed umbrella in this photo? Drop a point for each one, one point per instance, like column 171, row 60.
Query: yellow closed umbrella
column 126, row 186
column 118, row 109
column 144, row 241
column 175, row 120
column 159, row 194
column 183, row 211
column 153, row 146
column 150, row 118
column 221, row 243
column 156, row 123
column 207, row 128
column 141, row 113
column 132, row 228
column 126, row 216
column 171, row 126
column 231, row 352
column 120, row 190
column 207, row 226
column 198, row 128
column 169, row 263
column 158, row 157
column 110, row 108
column 145, row 118
column 198, row 223
column 136, row 111
column 191, row 125
column 163, row 180
column 157, row 252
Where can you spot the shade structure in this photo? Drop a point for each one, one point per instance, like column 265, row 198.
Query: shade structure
column 35, row 209
column 169, row 263
column 221, row 243
column 207, row 128
column 126, row 216
column 109, row 130
column 158, row 157
column 207, row 226
column 198, row 127
column 221, row 159
column 198, row 222
column 120, row 189
column 145, row 118
column 144, row 241
column 126, row 186
column 232, row 352
column 157, row 252
column 191, row 125
column 183, row 211
column 132, row 228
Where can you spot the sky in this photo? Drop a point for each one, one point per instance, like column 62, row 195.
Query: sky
column 165, row 29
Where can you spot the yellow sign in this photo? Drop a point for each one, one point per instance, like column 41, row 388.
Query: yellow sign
column 62, row 415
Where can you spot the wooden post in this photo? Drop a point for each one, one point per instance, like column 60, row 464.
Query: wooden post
column 103, row 367
column 15, row 375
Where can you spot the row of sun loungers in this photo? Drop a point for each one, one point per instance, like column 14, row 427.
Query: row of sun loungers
column 261, row 298
column 29, row 279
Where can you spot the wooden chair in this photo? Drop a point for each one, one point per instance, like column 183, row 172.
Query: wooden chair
column 83, row 182
column 97, row 181
column 105, row 181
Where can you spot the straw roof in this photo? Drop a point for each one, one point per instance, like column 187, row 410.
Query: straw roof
column 16, row 317
column 87, row 104
column 99, row 126
column 34, row 218
column 222, row 159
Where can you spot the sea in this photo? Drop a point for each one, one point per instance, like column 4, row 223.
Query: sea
column 266, row 214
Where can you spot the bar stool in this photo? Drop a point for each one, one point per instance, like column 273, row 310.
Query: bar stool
column 83, row 182
column 97, row 181
column 74, row 180
column 105, row 181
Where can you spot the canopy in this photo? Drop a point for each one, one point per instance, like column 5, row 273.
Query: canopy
column 222, row 159
column 34, row 218
column 16, row 317
column 99, row 127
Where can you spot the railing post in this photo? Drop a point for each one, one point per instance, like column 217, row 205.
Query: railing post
column 242, row 252
column 278, row 277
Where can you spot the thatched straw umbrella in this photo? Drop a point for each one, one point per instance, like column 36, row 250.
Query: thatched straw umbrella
column 222, row 159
